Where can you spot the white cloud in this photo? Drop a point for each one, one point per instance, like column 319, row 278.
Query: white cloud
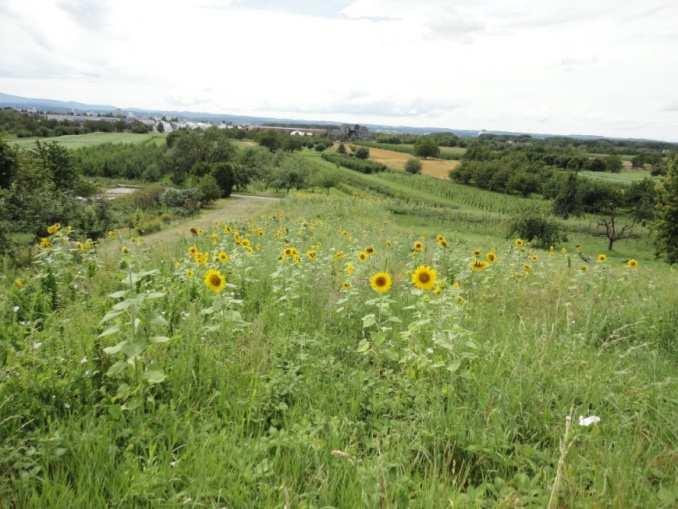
column 563, row 66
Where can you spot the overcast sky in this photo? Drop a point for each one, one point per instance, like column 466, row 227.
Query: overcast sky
column 605, row 67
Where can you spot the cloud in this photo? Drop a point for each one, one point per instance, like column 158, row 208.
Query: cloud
column 90, row 14
column 671, row 108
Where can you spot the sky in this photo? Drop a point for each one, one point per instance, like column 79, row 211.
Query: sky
column 604, row 67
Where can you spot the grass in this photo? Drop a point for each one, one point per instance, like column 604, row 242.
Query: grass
column 623, row 177
column 127, row 382
column 89, row 139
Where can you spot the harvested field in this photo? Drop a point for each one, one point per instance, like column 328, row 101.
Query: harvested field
column 437, row 168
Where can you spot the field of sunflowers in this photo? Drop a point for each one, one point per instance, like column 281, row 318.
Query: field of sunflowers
column 324, row 355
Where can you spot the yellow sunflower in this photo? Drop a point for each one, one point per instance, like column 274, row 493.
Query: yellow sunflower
column 53, row 228
column 202, row 258
column 223, row 257
column 491, row 257
column 456, row 285
column 442, row 242
column 311, row 254
column 349, row 268
column 601, row 258
column 479, row 265
column 339, row 255
column 214, row 280
column 369, row 250
column 476, row 253
column 519, row 243
column 363, row 256
column 192, row 251
column 632, row 264
column 418, row 246
column 534, row 258
column 189, row 273
column 424, row 277
column 381, row 282
column 345, row 285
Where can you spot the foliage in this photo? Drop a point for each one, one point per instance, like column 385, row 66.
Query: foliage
column 413, row 165
column 426, row 147
column 352, row 163
column 536, row 228
column 362, row 153
column 667, row 215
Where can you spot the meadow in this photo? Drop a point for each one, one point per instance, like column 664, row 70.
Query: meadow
column 381, row 343
column 73, row 141
column 449, row 153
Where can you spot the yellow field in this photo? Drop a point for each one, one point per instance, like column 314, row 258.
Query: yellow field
column 437, row 168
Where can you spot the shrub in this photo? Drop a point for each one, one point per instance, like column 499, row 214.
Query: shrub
column 187, row 199
column 534, row 227
column 352, row 163
column 362, row 153
column 209, row 189
column 319, row 147
column 224, row 176
column 413, row 165
column 426, row 147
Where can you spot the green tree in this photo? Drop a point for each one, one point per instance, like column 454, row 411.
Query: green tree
column 8, row 164
column 223, row 174
column 614, row 164
column 362, row 153
column 426, row 147
column 567, row 201
column 667, row 214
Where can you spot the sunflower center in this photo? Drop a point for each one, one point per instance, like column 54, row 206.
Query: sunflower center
column 424, row 277
column 381, row 281
column 215, row 280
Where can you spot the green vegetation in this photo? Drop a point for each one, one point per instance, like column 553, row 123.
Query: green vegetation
column 379, row 339
column 354, row 163
column 92, row 139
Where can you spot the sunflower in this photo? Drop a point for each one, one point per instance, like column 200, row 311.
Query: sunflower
column 53, row 228
column 227, row 229
column 45, row 243
column 632, row 264
column 339, row 255
column 491, row 257
column 476, row 253
column 534, row 258
column 259, row 232
column 527, row 268
column 424, row 277
column 381, row 282
column 202, row 258
column 388, row 243
column 519, row 243
column 214, row 280
column 19, row 283
column 369, row 250
column 441, row 241
column 189, row 273
column 363, row 256
column 311, row 254
column 349, row 268
column 601, row 258
column 192, row 251
column 418, row 246
column 223, row 257
column 440, row 237
column 479, row 265
column 346, row 285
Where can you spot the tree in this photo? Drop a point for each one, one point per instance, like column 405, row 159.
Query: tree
column 223, row 173
column 160, row 127
column 362, row 153
column 566, row 202
column 426, row 147
column 413, row 165
column 614, row 164
column 8, row 164
column 667, row 211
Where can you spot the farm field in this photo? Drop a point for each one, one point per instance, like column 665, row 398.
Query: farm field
column 452, row 153
column 437, row 168
column 85, row 140
column 626, row 176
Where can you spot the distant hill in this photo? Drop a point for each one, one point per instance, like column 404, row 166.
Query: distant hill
column 14, row 101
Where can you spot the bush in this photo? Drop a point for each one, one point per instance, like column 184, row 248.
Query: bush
column 319, row 147
column 208, row 189
column 363, row 166
column 362, row 153
column 413, row 166
column 187, row 199
column 534, row 227
column 224, row 176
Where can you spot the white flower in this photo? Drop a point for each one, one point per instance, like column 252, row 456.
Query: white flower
column 588, row 421
column 15, row 309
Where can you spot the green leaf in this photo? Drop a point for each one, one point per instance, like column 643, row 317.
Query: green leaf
column 110, row 331
column 118, row 295
column 110, row 316
column 116, row 368
column 112, row 350
column 156, row 295
column 154, row 376
column 160, row 339
column 369, row 320
column 363, row 346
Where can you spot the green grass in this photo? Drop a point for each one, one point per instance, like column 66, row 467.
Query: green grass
column 286, row 390
column 623, row 177
column 85, row 140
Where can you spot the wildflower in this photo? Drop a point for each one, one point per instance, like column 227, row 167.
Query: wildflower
column 424, row 277
column 441, row 241
column 632, row 264
column 349, row 268
column 363, row 256
column 479, row 265
column 491, row 257
column 19, row 283
column 192, row 251
column 53, row 228
column 339, row 255
column 588, row 421
column 418, row 246
column 381, row 282
column 476, row 253
column 45, row 243
column 202, row 258
column 345, row 285
column 311, row 254
column 527, row 268
column 189, row 273
column 601, row 258
column 519, row 243
column 223, row 257
column 214, row 280
column 534, row 258
column 440, row 237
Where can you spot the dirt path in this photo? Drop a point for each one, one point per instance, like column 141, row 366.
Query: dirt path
column 236, row 208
